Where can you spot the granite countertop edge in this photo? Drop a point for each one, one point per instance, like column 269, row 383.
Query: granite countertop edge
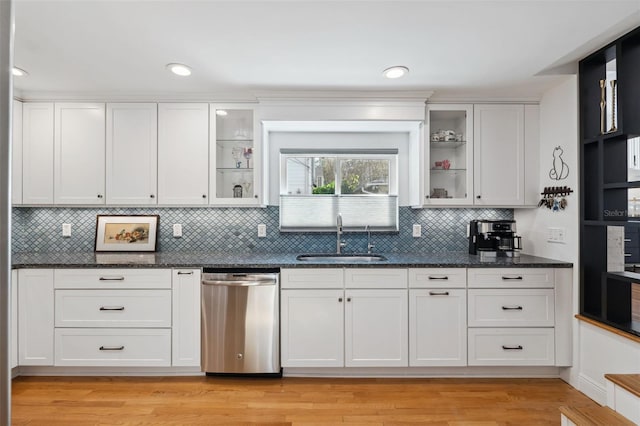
column 269, row 260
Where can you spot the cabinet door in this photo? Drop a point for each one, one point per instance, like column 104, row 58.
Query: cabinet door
column 35, row 317
column 37, row 153
column 183, row 153
column 79, row 153
column 498, row 155
column 312, row 328
column 235, row 155
column 16, row 154
column 14, row 319
column 376, row 328
column 186, row 318
column 132, row 153
column 449, row 156
column 438, row 327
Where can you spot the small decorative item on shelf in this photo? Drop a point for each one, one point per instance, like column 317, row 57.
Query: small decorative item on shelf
column 614, row 107
column 554, row 197
column 237, row 191
column 248, row 153
column 446, row 136
column 236, row 153
column 437, row 165
column 446, row 164
column 603, row 106
column 439, row 193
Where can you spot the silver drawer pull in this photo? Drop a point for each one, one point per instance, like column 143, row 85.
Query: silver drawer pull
column 112, row 308
column 185, row 273
column 438, row 293
column 627, row 240
column 111, row 278
column 628, row 254
column 512, row 308
column 111, row 348
column 512, row 277
column 441, row 277
column 512, row 348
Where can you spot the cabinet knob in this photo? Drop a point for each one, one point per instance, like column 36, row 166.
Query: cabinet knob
column 204, row 195
column 478, row 197
column 255, row 196
column 99, row 195
column 339, row 299
column 152, row 196
column 427, row 196
column 348, row 299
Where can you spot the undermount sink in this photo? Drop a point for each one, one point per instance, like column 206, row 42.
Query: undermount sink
column 334, row 257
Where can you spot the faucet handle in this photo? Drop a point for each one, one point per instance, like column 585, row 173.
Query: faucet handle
column 343, row 243
column 370, row 247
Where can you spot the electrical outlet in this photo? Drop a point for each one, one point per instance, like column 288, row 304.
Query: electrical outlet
column 262, row 230
column 66, row 229
column 417, row 230
column 556, row 235
column 177, row 230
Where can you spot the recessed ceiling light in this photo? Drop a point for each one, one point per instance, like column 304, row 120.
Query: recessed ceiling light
column 18, row 72
column 395, row 72
column 179, row 69
column 221, row 112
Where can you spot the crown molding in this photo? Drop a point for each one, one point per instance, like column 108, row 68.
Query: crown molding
column 51, row 96
column 343, row 96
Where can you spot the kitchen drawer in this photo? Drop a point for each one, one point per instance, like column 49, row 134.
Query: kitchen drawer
column 112, row 347
column 375, row 278
column 510, row 277
column 511, row 308
column 112, row 278
column 511, row 346
column 437, row 278
column 312, row 278
column 113, row 308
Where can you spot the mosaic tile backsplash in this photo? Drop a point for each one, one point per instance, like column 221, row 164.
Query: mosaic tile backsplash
column 37, row 229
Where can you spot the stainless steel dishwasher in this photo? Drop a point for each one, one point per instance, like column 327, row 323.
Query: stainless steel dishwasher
column 241, row 322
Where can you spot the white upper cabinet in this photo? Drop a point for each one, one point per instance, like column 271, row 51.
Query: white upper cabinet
column 449, row 154
column 79, row 154
column 183, row 153
column 499, row 151
column 131, row 155
column 16, row 154
column 37, row 153
column 234, row 158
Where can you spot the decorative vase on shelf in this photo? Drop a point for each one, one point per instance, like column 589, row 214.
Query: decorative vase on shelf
column 614, row 106
column 603, row 106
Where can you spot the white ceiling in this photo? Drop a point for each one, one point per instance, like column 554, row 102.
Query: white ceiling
column 237, row 49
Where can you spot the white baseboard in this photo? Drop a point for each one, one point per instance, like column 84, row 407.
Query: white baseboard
column 426, row 372
column 109, row 371
column 592, row 389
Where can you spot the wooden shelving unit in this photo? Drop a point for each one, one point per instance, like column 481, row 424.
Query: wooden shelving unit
column 605, row 183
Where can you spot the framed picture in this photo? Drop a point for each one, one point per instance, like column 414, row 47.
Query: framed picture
column 127, row 233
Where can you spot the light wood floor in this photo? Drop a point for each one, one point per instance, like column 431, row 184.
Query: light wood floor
column 290, row 401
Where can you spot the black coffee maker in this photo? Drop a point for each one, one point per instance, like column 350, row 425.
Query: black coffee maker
column 492, row 238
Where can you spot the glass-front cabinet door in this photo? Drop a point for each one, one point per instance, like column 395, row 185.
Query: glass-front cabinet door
column 449, row 154
column 235, row 154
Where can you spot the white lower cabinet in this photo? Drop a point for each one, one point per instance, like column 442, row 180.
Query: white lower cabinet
column 511, row 346
column 35, row 317
column 96, row 317
column 312, row 328
column 376, row 328
column 327, row 326
column 98, row 347
column 14, row 319
column 186, row 317
column 437, row 327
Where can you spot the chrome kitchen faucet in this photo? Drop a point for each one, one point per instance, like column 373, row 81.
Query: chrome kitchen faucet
column 339, row 243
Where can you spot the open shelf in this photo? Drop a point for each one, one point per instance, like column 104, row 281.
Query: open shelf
column 610, row 181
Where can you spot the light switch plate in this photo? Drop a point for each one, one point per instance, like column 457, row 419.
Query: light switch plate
column 262, row 230
column 177, row 230
column 66, row 229
column 556, row 235
column 417, row 230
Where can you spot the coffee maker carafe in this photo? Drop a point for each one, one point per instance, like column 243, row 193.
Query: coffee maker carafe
column 492, row 238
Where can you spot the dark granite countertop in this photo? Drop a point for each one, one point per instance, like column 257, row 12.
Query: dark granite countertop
column 268, row 260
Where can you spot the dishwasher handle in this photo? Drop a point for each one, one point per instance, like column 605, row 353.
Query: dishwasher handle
column 239, row 283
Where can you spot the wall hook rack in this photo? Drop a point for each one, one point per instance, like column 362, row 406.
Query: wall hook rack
column 553, row 197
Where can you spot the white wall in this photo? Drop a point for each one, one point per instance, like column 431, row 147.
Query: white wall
column 558, row 127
